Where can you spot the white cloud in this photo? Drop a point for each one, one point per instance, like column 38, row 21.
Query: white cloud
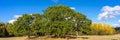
column 15, row 17
column 55, row 1
column 116, row 25
column 109, row 12
column 118, row 21
column 72, row 8
column 11, row 21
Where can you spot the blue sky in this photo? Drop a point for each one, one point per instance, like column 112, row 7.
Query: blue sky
column 103, row 11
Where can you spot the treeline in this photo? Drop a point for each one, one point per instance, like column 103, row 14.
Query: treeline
column 55, row 21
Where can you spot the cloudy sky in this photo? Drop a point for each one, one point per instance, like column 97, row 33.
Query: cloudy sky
column 104, row 11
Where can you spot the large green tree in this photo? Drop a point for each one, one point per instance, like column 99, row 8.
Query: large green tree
column 56, row 20
column 64, row 15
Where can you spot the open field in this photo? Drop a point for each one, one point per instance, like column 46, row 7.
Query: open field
column 90, row 37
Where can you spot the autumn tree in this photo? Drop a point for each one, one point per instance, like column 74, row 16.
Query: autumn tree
column 101, row 29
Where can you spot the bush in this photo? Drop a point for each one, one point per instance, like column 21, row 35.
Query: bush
column 102, row 29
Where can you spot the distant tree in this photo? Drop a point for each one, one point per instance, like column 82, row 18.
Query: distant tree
column 3, row 31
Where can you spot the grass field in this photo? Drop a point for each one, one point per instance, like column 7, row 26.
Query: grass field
column 90, row 37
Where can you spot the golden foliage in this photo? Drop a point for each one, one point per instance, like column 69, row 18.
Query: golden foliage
column 100, row 28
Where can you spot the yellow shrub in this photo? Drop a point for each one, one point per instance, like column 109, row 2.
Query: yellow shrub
column 100, row 28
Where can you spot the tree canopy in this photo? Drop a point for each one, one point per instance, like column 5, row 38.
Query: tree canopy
column 56, row 21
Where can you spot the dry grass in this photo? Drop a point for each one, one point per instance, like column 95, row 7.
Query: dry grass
column 90, row 37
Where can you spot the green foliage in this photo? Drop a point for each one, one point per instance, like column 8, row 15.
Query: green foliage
column 20, row 27
column 39, row 26
column 62, row 28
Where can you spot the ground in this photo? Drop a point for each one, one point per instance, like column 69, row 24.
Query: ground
column 90, row 37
